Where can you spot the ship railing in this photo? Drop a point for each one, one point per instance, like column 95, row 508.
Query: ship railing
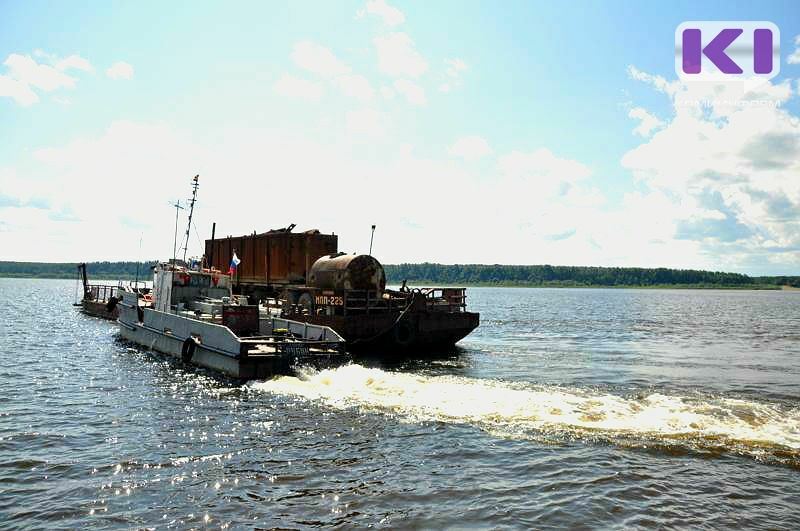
column 101, row 292
column 357, row 301
column 449, row 300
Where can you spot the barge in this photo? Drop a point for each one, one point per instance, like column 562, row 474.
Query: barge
column 316, row 284
column 194, row 316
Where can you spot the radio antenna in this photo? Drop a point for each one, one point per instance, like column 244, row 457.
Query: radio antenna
column 178, row 207
column 370, row 240
column 195, row 184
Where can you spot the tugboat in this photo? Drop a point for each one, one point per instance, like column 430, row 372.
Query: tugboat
column 194, row 316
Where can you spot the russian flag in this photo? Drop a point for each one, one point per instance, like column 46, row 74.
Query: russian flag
column 234, row 263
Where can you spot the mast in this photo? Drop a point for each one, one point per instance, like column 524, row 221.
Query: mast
column 82, row 269
column 195, row 184
column 178, row 207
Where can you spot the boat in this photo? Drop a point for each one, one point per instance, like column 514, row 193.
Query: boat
column 317, row 284
column 100, row 300
column 191, row 313
column 194, row 316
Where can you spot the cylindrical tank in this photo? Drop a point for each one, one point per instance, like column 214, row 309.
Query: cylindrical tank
column 347, row 271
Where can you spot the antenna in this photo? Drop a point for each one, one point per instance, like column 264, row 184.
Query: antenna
column 139, row 262
column 177, row 206
column 195, row 184
column 370, row 240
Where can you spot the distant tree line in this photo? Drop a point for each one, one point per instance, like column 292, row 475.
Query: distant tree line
column 548, row 275
column 95, row 270
column 467, row 274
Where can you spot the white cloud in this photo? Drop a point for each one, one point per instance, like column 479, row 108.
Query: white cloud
column 414, row 93
column 76, row 62
column 726, row 171
column 120, row 70
column 455, row 67
column 659, row 82
column 355, row 86
column 543, row 166
column 317, row 59
column 24, row 74
column 25, row 69
column 390, row 15
column 369, row 123
column 19, row 91
column 387, row 92
column 397, row 56
column 298, row 88
column 795, row 57
column 648, row 123
column 454, row 70
column 470, row 148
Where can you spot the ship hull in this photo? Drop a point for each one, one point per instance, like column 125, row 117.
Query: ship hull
column 415, row 333
column 215, row 346
column 99, row 309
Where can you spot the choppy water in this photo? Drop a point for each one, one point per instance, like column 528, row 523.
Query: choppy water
column 566, row 408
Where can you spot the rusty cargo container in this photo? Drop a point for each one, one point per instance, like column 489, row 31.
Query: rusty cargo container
column 270, row 260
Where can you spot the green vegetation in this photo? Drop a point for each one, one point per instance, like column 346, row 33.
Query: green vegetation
column 95, row 270
column 578, row 276
column 465, row 275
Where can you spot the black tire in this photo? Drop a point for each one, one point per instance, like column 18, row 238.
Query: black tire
column 188, row 348
column 404, row 333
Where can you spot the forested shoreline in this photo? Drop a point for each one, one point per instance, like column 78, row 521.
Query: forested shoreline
column 464, row 274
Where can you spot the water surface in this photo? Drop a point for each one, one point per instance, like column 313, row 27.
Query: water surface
column 566, row 408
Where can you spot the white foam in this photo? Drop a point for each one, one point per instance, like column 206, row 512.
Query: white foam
column 505, row 408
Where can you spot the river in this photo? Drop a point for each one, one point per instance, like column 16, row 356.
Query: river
column 566, row 408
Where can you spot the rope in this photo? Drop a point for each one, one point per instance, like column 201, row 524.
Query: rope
column 389, row 328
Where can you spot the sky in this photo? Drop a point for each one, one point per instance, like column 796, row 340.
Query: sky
column 468, row 132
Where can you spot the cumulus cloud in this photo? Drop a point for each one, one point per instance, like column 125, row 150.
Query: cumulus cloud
column 727, row 170
column 74, row 61
column 24, row 74
column 454, row 70
column 470, row 148
column 120, row 70
column 355, row 86
column 317, row 59
column 298, row 88
column 659, row 82
column 455, row 67
column 387, row 92
column 543, row 166
column 397, row 56
column 368, row 122
column 389, row 15
column 413, row 92
column 795, row 57
column 25, row 69
column 19, row 91
column 648, row 123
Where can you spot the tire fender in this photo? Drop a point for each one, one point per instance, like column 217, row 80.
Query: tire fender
column 404, row 333
column 188, row 348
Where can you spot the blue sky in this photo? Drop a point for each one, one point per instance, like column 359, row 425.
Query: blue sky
column 471, row 132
